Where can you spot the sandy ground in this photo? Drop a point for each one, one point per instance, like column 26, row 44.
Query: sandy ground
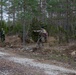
column 14, row 60
column 12, row 64
column 11, row 67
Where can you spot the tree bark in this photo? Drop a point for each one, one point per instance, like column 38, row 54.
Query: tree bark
column 24, row 31
column 1, row 13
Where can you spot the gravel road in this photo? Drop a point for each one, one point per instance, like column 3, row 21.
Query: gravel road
column 12, row 64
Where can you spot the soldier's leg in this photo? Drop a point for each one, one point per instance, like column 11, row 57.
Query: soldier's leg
column 3, row 38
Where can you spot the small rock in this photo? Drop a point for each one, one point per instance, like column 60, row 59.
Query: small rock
column 73, row 53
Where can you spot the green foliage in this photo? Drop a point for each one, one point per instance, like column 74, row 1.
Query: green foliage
column 35, row 25
column 52, row 30
column 4, row 25
column 17, row 28
column 52, row 5
column 56, row 10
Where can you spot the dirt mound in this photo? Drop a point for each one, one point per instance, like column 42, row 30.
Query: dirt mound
column 70, row 50
column 12, row 41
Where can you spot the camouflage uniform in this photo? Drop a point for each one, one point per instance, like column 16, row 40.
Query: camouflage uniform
column 2, row 35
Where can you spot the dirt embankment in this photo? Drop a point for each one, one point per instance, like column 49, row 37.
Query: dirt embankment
column 51, row 50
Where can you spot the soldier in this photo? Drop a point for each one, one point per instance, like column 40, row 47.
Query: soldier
column 2, row 35
column 44, row 34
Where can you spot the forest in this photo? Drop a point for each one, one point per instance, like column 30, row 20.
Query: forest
column 57, row 16
column 20, row 51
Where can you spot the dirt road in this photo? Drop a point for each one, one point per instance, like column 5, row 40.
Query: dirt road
column 12, row 64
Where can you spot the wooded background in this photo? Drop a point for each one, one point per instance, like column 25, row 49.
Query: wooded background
column 57, row 16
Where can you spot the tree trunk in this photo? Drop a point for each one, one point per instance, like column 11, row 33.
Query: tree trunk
column 67, row 21
column 1, row 13
column 24, row 31
column 13, row 16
